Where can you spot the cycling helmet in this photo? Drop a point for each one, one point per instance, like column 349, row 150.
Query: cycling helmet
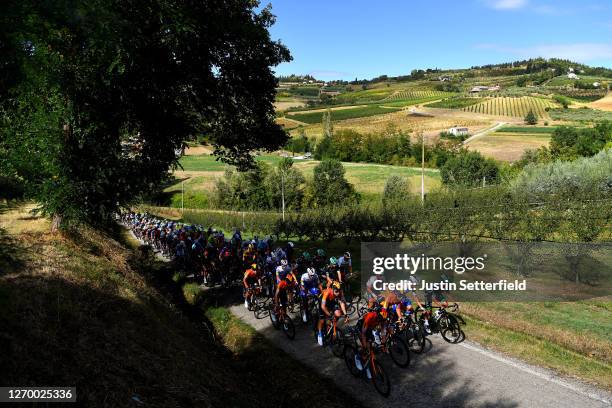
column 290, row 244
column 279, row 269
column 333, row 260
column 283, row 262
column 254, row 266
column 311, row 271
column 251, row 246
column 347, row 254
column 336, row 285
column 320, row 252
column 306, row 256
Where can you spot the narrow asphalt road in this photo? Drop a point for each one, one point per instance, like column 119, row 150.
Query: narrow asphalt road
column 483, row 133
column 447, row 375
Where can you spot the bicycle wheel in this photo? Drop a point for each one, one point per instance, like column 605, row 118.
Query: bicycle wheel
column 274, row 319
column 288, row 328
column 416, row 343
column 337, row 343
column 349, row 353
column 381, row 381
column 450, row 330
column 398, row 350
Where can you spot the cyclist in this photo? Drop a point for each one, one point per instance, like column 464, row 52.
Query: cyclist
column 251, row 277
column 310, row 286
column 332, row 271
column 395, row 306
column 371, row 292
column 281, row 297
column 318, row 261
column 249, row 256
column 369, row 327
column 303, row 262
column 330, row 300
column 345, row 266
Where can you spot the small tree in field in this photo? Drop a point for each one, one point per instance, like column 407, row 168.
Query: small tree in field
column 330, row 186
column 397, row 189
column 531, row 118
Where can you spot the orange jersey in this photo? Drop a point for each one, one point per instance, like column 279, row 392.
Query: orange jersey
column 328, row 295
column 284, row 285
column 371, row 320
column 250, row 275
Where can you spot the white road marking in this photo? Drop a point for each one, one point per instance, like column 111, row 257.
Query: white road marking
column 527, row 369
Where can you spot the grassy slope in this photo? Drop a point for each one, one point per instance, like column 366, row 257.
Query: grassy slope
column 75, row 311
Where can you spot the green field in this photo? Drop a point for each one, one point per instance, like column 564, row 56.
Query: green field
column 455, row 103
column 417, row 94
column 580, row 115
column 510, row 106
column 564, row 80
column 409, row 102
column 342, row 114
column 200, row 173
column 526, row 129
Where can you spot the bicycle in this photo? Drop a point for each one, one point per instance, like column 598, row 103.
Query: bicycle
column 377, row 373
column 394, row 346
column 309, row 307
column 449, row 325
column 415, row 335
column 280, row 320
column 445, row 323
column 333, row 336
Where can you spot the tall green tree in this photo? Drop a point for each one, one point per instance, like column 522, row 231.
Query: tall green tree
column 329, row 185
column 469, row 169
column 98, row 96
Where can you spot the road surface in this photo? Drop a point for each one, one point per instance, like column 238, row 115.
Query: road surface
column 447, row 375
column 483, row 133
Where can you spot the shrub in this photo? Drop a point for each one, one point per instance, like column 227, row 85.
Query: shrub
column 531, row 118
column 469, row 168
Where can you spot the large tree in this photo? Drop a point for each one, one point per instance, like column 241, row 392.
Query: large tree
column 98, row 96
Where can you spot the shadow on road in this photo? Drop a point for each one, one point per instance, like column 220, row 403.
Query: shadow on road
column 431, row 380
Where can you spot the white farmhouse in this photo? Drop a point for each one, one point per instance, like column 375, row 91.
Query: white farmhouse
column 458, row 131
column 571, row 75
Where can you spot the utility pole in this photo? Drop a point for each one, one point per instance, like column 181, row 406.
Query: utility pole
column 422, row 169
column 283, row 192
column 182, row 197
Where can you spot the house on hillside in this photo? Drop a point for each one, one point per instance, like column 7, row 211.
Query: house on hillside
column 596, row 84
column 444, row 78
column 458, row 131
column 571, row 75
column 480, row 88
column 323, row 91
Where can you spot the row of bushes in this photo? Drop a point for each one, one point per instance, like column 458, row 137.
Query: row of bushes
column 497, row 213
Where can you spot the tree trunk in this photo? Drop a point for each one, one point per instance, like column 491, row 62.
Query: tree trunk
column 56, row 223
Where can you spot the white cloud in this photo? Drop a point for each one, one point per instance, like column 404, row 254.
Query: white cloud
column 507, row 4
column 580, row 52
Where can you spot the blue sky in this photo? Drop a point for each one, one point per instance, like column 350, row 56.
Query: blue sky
column 344, row 39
